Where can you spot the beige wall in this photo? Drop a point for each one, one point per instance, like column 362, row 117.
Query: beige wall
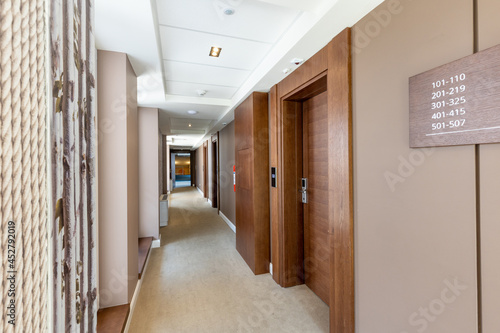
column 227, row 160
column 414, row 208
column 489, row 27
column 133, row 179
column 118, row 178
column 149, row 218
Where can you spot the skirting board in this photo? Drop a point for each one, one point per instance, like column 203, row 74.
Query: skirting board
column 229, row 223
column 136, row 295
column 203, row 194
column 209, row 202
column 156, row 243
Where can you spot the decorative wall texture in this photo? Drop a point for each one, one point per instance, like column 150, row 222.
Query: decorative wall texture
column 73, row 150
column 23, row 221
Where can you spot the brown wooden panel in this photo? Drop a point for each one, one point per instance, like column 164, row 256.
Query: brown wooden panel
column 244, row 174
column 316, row 253
column 252, row 182
column 292, row 270
column 317, row 64
column 333, row 62
column 273, row 140
column 243, row 125
column 144, row 247
column 314, row 87
column 340, row 184
column 261, row 181
column 205, row 169
column 112, row 320
column 214, row 174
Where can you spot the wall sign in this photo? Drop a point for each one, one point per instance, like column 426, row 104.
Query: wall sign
column 457, row 103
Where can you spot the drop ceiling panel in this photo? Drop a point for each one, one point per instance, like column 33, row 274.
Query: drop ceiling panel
column 309, row 5
column 194, row 47
column 179, row 110
column 196, row 124
column 189, row 89
column 184, row 140
column 203, row 74
column 252, row 19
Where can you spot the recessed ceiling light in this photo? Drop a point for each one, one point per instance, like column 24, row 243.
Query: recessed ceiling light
column 189, row 125
column 215, row 51
column 192, row 112
column 228, row 11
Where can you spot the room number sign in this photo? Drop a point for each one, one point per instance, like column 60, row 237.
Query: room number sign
column 457, row 103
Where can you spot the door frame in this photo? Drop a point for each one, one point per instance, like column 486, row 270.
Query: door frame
column 330, row 70
column 205, row 169
column 214, row 193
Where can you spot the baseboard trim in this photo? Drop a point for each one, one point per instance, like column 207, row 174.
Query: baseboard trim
column 136, row 295
column 228, row 222
column 209, row 202
column 156, row 243
column 203, row 194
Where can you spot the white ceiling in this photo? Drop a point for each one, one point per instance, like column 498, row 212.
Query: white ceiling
column 169, row 42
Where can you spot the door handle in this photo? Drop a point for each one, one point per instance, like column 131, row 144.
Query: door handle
column 304, row 195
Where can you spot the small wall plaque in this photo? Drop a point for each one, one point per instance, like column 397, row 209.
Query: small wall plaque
column 457, row 103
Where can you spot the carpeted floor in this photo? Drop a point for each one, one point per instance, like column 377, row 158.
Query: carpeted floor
column 197, row 282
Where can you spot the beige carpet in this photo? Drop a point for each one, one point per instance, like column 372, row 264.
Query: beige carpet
column 197, row 282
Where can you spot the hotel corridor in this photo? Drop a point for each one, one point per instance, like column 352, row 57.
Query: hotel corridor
column 197, row 282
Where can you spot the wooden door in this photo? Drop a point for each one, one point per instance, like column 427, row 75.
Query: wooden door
column 315, row 169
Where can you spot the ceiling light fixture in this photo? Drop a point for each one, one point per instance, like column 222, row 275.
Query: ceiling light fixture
column 192, row 112
column 215, row 51
column 189, row 125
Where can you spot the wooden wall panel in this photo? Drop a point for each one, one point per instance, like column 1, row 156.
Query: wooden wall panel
column 340, row 185
column 318, row 63
column 244, row 125
column 292, row 269
column 273, row 140
column 252, row 181
column 261, row 174
column 329, row 69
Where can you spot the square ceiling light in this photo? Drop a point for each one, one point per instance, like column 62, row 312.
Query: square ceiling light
column 215, row 51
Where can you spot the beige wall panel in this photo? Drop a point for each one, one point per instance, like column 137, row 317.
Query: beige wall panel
column 132, row 179
column 489, row 27
column 118, row 178
column 227, row 160
column 149, row 158
column 415, row 247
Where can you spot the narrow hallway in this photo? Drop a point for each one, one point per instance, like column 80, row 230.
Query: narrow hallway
column 197, row 282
